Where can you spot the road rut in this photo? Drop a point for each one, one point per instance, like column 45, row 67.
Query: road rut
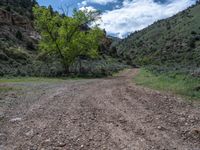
column 96, row 114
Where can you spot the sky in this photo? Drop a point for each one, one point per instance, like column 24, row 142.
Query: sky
column 121, row 17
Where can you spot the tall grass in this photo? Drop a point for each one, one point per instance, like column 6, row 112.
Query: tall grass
column 181, row 84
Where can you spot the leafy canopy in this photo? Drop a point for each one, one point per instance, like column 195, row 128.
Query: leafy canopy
column 69, row 37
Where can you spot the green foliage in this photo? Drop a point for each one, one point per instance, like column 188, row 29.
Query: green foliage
column 17, row 53
column 27, row 79
column 192, row 43
column 5, row 89
column 78, row 43
column 172, row 42
column 51, row 67
column 30, row 45
column 181, row 84
column 19, row 35
column 103, row 66
column 62, row 35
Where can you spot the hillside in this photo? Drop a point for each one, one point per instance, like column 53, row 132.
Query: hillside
column 66, row 85
column 19, row 52
column 172, row 43
column 18, row 38
column 16, row 21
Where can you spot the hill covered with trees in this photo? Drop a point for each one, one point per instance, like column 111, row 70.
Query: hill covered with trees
column 167, row 45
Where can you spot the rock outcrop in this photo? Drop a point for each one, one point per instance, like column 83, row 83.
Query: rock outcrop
column 12, row 18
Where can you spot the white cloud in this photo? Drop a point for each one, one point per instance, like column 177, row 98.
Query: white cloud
column 84, row 3
column 101, row 2
column 87, row 8
column 138, row 14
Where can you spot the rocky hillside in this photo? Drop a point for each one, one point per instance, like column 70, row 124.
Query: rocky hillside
column 16, row 21
column 18, row 39
column 172, row 43
column 19, row 54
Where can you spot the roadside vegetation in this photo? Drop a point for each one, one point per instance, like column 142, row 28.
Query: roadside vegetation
column 169, row 50
column 31, row 79
column 5, row 89
column 59, row 45
column 70, row 38
column 169, row 45
column 181, row 84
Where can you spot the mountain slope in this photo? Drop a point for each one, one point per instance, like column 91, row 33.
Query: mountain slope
column 173, row 42
column 18, row 38
column 16, row 21
column 19, row 53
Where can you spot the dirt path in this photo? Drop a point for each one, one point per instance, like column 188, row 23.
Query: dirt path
column 96, row 114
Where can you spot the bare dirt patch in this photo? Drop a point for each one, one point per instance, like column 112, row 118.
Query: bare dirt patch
column 111, row 113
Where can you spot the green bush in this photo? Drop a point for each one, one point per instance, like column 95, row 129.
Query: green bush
column 30, row 45
column 193, row 32
column 19, row 35
column 20, row 64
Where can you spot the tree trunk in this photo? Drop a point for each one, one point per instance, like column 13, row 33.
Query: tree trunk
column 80, row 65
column 66, row 68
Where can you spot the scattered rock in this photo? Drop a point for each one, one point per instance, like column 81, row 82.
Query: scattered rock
column 47, row 140
column 3, row 138
column 160, row 128
column 29, row 133
column 13, row 95
column 2, row 147
column 2, row 115
column 15, row 119
column 195, row 132
column 61, row 144
column 102, row 121
column 182, row 119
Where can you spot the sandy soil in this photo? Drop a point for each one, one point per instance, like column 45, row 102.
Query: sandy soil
column 96, row 114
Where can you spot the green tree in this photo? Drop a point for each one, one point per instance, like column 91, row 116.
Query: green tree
column 64, row 36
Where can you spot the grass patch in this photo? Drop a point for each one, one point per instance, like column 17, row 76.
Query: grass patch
column 115, row 74
column 180, row 84
column 5, row 89
column 35, row 79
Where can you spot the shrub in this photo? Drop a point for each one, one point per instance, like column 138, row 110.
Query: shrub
column 8, row 8
column 17, row 53
column 197, row 38
column 29, row 45
column 19, row 35
column 192, row 43
column 193, row 33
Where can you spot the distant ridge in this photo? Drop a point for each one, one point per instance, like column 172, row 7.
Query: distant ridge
column 172, row 42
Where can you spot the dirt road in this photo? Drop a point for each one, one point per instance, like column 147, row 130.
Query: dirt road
column 96, row 114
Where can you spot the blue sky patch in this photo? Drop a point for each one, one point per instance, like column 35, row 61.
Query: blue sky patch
column 122, row 17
